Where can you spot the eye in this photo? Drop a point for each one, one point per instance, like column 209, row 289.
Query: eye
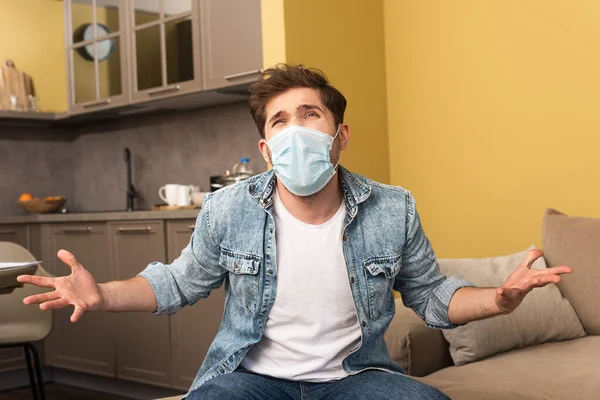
column 312, row 114
column 277, row 121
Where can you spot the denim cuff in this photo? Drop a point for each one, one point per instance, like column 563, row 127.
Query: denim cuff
column 164, row 287
column 437, row 312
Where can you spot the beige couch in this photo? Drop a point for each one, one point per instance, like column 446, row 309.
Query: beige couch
column 566, row 369
column 530, row 354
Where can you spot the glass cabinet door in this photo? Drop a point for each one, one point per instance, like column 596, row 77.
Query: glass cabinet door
column 164, row 48
column 96, row 54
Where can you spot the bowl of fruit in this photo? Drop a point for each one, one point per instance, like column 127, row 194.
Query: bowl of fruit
column 36, row 205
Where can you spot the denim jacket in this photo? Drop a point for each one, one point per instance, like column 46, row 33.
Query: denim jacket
column 234, row 242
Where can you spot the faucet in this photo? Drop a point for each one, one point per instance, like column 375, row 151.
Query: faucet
column 132, row 193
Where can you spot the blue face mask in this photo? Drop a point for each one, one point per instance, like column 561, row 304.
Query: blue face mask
column 300, row 158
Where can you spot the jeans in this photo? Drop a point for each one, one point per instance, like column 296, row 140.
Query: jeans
column 367, row 385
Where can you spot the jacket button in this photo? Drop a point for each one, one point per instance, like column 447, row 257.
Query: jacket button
column 364, row 324
column 270, row 272
column 345, row 237
column 352, row 280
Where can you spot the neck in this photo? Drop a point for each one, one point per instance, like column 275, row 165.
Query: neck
column 317, row 208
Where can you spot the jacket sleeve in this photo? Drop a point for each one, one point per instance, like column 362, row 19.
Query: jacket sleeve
column 421, row 284
column 194, row 274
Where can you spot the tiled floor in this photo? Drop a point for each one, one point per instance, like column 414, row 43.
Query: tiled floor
column 59, row 392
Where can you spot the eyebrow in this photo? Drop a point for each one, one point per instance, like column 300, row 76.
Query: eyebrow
column 307, row 107
column 304, row 107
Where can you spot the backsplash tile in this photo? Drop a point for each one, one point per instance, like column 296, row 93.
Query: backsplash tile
column 42, row 168
column 177, row 147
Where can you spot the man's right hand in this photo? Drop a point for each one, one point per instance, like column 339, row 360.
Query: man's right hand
column 79, row 289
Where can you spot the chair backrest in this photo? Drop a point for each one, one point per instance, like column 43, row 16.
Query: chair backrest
column 20, row 323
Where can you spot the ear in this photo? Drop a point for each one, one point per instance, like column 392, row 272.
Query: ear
column 344, row 136
column 264, row 151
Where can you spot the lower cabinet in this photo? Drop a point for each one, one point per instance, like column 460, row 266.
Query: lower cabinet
column 88, row 345
column 16, row 233
column 143, row 342
column 192, row 328
column 158, row 350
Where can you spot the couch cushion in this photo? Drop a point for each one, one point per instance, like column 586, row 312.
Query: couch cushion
column 575, row 241
column 544, row 314
column 551, row 371
column 420, row 350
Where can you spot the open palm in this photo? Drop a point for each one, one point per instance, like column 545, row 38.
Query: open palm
column 79, row 289
column 524, row 279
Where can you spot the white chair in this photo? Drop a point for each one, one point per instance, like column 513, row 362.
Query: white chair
column 22, row 325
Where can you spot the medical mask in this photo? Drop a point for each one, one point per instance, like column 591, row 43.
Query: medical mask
column 300, row 158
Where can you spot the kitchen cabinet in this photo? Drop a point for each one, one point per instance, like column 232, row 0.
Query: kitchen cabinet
column 231, row 42
column 88, row 345
column 121, row 53
column 11, row 359
column 158, row 350
column 192, row 328
column 142, row 339
column 16, row 233
column 96, row 51
column 164, row 48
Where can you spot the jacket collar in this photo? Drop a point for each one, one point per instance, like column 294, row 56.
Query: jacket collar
column 356, row 189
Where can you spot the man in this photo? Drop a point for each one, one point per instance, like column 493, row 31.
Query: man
column 309, row 253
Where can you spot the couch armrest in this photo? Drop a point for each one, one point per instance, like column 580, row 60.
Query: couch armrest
column 420, row 350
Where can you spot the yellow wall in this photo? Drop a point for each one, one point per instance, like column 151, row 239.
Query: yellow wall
column 343, row 38
column 493, row 116
column 273, row 32
column 34, row 41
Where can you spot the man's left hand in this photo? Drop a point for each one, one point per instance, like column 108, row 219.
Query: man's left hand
column 524, row 279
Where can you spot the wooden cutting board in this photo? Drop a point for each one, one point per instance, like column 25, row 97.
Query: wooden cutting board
column 14, row 82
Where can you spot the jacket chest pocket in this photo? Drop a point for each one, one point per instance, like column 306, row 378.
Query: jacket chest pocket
column 243, row 277
column 380, row 273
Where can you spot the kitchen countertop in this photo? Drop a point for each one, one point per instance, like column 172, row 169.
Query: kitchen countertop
column 100, row 216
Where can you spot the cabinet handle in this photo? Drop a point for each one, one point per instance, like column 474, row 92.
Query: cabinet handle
column 191, row 227
column 135, row 229
column 242, row 74
column 165, row 90
column 7, row 231
column 87, row 229
column 96, row 104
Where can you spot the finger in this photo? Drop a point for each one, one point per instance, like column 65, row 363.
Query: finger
column 77, row 314
column 54, row 304
column 41, row 298
column 69, row 259
column 563, row 269
column 547, row 279
column 531, row 256
column 41, row 281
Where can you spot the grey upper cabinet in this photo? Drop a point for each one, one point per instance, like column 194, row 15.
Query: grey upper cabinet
column 123, row 52
column 231, row 42
column 96, row 51
column 164, row 45
column 88, row 345
column 192, row 328
column 143, row 339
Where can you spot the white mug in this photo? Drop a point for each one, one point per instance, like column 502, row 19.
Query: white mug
column 185, row 195
column 169, row 194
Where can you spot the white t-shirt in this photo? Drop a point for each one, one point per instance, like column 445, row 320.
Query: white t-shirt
column 313, row 325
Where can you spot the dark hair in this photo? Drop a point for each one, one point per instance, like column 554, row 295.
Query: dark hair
column 283, row 77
